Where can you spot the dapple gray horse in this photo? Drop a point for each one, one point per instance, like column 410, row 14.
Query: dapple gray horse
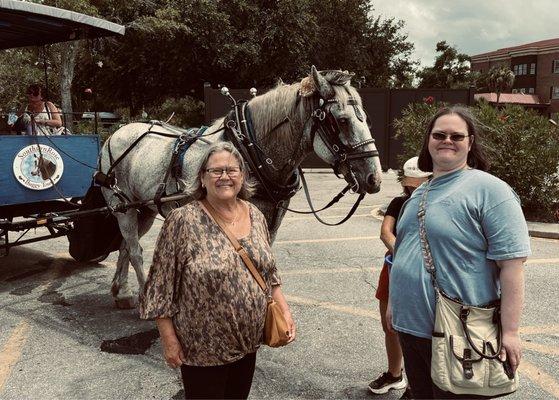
column 282, row 119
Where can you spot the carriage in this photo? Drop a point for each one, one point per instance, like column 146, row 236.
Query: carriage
column 44, row 178
column 145, row 168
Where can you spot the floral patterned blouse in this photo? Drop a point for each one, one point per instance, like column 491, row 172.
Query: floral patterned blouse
column 199, row 281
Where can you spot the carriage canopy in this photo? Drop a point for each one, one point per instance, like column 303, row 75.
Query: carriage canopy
column 30, row 24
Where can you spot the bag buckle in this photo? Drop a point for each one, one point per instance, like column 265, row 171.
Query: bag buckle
column 467, row 364
column 464, row 312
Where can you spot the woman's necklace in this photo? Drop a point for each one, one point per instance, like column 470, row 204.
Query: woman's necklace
column 235, row 218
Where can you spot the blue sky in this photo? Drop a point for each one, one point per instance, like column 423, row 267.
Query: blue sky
column 473, row 26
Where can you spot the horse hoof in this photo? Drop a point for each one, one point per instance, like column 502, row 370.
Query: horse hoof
column 125, row 303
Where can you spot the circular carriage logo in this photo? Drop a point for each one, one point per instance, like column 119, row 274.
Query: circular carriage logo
column 38, row 169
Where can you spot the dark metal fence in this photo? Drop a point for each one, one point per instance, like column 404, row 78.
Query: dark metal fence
column 382, row 105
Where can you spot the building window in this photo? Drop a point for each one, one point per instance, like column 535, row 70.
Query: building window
column 554, row 92
column 520, row 69
column 556, row 66
column 533, row 69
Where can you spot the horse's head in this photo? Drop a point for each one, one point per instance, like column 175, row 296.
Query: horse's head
column 340, row 132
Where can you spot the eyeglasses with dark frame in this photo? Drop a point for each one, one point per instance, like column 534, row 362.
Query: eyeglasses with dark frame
column 455, row 137
column 232, row 172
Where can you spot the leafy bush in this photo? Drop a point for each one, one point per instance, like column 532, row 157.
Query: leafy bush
column 522, row 147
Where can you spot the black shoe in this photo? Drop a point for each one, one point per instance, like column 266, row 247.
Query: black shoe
column 407, row 394
column 386, row 381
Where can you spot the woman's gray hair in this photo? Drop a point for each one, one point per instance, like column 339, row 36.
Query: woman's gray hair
column 248, row 187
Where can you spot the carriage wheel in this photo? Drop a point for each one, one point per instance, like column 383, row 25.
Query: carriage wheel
column 100, row 258
column 92, row 260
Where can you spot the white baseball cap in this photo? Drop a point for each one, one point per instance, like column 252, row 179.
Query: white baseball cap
column 413, row 176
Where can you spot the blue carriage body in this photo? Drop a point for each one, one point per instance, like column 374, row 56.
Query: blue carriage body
column 73, row 160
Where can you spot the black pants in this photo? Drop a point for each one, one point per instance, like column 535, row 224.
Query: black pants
column 417, row 362
column 229, row 381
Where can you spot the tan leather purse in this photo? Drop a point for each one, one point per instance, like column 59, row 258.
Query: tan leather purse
column 276, row 331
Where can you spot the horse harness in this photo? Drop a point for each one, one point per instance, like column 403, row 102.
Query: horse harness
column 239, row 130
column 183, row 141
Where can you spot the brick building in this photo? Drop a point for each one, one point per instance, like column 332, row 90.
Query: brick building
column 535, row 66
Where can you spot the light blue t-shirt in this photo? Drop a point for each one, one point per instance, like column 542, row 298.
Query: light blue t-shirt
column 472, row 219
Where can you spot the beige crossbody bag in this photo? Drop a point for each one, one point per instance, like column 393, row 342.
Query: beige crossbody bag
column 466, row 340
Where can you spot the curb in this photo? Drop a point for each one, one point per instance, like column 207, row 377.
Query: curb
column 532, row 232
column 543, row 234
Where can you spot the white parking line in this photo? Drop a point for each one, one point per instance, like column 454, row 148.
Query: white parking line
column 325, row 217
column 360, row 312
column 11, row 352
column 325, row 240
column 539, row 377
column 314, row 271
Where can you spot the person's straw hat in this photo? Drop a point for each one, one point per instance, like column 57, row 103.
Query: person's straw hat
column 413, row 176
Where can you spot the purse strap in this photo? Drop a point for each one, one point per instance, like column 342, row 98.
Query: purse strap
column 238, row 247
column 425, row 248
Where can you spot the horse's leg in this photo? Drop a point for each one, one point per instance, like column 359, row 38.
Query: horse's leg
column 120, row 289
column 140, row 225
column 131, row 251
column 145, row 222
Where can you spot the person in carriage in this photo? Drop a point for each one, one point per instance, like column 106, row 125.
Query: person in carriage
column 40, row 117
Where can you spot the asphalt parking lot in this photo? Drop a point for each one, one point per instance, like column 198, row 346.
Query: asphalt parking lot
column 62, row 337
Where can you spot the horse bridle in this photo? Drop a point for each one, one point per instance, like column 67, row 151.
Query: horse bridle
column 328, row 129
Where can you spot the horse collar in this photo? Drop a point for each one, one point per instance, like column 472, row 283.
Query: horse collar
column 241, row 133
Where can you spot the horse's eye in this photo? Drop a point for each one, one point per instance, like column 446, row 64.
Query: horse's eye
column 343, row 121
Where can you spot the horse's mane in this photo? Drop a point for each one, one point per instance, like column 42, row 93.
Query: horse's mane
column 271, row 108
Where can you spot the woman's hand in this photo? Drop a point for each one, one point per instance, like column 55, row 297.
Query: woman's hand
column 290, row 324
column 172, row 349
column 277, row 295
column 512, row 350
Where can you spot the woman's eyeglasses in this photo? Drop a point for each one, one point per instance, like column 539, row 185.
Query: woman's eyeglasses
column 455, row 137
column 232, row 172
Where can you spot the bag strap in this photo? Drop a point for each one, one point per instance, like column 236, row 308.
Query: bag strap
column 238, row 247
column 47, row 109
column 425, row 248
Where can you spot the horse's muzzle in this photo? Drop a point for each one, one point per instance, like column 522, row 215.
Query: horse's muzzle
column 373, row 184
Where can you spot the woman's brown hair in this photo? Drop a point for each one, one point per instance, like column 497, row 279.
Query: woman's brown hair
column 476, row 155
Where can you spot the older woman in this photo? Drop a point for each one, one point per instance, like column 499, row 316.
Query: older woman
column 209, row 309
column 478, row 239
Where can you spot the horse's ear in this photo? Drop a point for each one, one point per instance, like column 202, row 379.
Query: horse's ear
column 337, row 77
column 307, row 87
column 323, row 86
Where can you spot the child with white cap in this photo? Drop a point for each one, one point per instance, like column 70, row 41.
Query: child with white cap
column 394, row 378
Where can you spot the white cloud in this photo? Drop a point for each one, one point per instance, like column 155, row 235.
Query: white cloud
column 473, row 26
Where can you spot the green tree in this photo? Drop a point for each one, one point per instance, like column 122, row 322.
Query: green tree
column 352, row 37
column 450, row 70
column 172, row 47
column 498, row 79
